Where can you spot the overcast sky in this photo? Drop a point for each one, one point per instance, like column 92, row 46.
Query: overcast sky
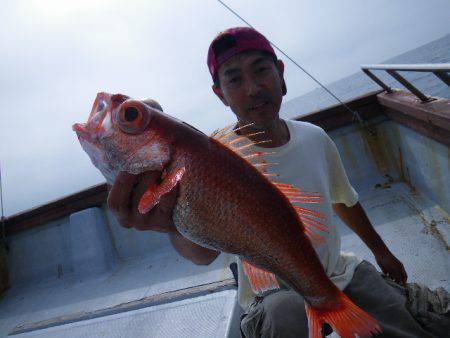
column 56, row 55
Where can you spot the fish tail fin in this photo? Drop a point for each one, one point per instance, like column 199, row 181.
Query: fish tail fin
column 347, row 321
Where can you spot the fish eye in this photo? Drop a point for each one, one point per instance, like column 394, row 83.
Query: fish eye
column 133, row 117
column 131, row 114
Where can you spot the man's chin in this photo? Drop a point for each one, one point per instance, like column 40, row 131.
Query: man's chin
column 262, row 125
column 259, row 120
column 268, row 120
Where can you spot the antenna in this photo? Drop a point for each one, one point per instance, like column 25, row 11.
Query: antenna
column 354, row 112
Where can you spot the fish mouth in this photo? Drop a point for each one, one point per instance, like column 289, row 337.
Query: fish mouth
column 83, row 133
column 91, row 130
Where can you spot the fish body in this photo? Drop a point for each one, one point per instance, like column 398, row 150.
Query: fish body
column 224, row 202
column 228, row 205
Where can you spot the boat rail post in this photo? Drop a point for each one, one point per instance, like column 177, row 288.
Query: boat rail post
column 443, row 76
column 377, row 80
column 408, row 85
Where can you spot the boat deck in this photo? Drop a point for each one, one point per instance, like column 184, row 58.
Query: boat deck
column 405, row 219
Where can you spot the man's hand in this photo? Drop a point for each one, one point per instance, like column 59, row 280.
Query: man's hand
column 356, row 219
column 123, row 200
column 391, row 267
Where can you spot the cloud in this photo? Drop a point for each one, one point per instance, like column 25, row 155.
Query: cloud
column 56, row 55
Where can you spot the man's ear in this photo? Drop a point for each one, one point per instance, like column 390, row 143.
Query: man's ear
column 280, row 66
column 218, row 91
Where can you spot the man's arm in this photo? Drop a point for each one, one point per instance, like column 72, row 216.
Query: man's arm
column 191, row 251
column 123, row 200
column 356, row 219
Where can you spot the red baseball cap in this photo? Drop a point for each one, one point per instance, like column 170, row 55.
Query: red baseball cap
column 234, row 41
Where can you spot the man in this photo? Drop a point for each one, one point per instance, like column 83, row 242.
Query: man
column 248, row 78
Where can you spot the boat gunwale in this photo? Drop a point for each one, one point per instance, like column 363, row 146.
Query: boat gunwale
column 431, row 119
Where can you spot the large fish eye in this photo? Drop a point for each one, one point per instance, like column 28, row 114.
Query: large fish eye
column 131, row 114
column 133, row 117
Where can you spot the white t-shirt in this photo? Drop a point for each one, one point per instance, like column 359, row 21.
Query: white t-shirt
column 311, row 162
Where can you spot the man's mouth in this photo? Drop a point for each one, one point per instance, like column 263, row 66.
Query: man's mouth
column 259, row 105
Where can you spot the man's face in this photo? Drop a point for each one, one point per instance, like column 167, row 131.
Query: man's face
column 251, row 84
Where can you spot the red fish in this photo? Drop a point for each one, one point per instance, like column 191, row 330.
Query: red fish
column 224, row 202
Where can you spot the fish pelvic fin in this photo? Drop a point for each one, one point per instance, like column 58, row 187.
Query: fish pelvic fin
column 260, row 280
column 347, row 321
column 153, row 194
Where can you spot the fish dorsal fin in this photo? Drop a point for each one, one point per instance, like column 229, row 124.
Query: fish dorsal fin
column 242, row 145
column 311, row 219
column 260, row 280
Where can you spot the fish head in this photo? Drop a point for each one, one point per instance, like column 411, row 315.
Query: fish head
column 119, row 136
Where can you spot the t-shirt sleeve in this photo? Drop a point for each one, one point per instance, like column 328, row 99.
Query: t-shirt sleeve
column 341, row 191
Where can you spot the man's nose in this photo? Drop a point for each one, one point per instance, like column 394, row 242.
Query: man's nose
column 253, row 87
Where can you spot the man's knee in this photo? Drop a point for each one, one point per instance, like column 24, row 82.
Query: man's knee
column 280, row 314
column 283, row 305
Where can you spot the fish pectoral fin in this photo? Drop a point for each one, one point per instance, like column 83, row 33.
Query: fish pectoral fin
column 154, row 193
column 347, row 321
column 260, row 280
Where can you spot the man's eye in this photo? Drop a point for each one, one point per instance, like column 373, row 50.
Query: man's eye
column 233, row 80
column 261, row 69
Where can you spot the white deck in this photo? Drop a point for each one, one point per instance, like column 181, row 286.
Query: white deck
column 403, row 219
column 204, row 316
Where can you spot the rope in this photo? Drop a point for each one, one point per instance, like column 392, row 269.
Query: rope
column 354, row 112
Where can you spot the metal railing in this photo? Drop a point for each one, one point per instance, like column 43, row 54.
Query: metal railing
column 440, row 70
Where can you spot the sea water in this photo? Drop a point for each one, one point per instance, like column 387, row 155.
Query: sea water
column 437, row 51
